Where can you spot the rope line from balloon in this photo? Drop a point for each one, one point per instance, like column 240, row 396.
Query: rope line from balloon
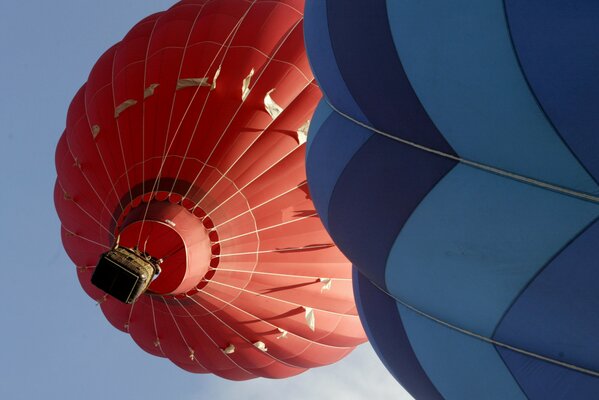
column 128, row 323
column 227, row 44
column 484, row 167
column 269, row 60
column 485, row 338
column 118, row 126
column 262, row 132
column 245, row 339
column 78, row 165
column 291, row 221
column 312, row 342
column 143, row 110
column 157, row 342
column 243, row 271
column 239, row 190
column 84, row 211
column 166, row 151
column 339, row 314
column 191, row 350
column 91, row 132
column 212, row 340
column 254, row 83
column 261, row 204
column 71, row 233
column 282, row 250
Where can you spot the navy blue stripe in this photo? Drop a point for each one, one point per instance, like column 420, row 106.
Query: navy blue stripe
column 381, row 319
column 366, row 55
column 556, row 43
column 375, row 195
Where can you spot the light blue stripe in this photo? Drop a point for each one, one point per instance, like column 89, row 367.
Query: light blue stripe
column 321, row 114
column 461, row 64
column 475, row 241
column 460, row 367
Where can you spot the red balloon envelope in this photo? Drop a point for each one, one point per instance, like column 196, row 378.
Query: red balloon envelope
column 187, row 143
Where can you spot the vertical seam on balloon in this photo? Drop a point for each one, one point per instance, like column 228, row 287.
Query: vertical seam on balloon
column 118, row 128
column 225, row 45
column 275, row 60
column 88, row 181
column 86, row 213
column 283, row 4
column 484, row 167
column 310, row 341
column 166, row 149
column 284, row 39
column 143, row 110
column 536, row 99
column 174, row 99
column 212, row 340
column 484, row 338
column 89, row 123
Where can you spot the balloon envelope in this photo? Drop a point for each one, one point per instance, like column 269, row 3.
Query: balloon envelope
column 454, row 161
column 187, row 142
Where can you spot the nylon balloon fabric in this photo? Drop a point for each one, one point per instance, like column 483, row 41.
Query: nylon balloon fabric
column 187, row 142
column 453, row 159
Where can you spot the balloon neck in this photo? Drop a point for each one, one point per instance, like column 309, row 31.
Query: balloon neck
column 172, row 240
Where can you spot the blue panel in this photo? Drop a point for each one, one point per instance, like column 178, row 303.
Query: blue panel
column 465, row 72
column 460, row 367
column 557, row 44
column 475, row 241
column 374, row 197
column 332, row 142
column 366, row 57
column 544, row 381
column 322, row 60
column 558, row 314
column 385, row 331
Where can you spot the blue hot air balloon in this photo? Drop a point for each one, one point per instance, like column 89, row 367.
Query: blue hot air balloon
column 455, row 161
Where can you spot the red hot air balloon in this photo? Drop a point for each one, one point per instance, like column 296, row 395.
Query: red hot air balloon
column 182, row 168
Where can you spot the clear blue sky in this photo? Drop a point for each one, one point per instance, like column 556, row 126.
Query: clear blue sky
column 54, row 340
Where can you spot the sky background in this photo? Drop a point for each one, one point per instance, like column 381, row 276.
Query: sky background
column 55, row 342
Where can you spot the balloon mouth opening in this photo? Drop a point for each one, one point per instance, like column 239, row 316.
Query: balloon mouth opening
column 165, row 246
